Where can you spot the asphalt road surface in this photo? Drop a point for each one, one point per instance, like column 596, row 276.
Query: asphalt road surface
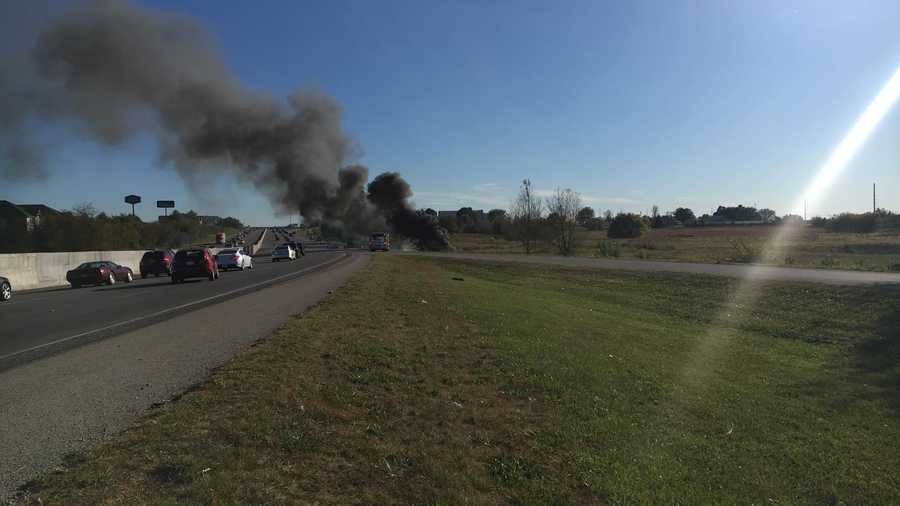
column 76, row 398
column 750, row 272
column 34, row 324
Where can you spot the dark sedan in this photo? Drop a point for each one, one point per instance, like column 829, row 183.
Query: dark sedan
column 194, row 263
column 99, row 273
column 156, row 263
column 5, row 289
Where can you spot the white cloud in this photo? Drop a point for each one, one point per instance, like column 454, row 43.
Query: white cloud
column 487, row 188
column 482, row 195
column 449, row 201
column 624, row 201
column 595, row 200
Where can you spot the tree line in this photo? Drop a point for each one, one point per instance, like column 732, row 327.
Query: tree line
column 859, row 223
column 533, row 219
column 83, row 229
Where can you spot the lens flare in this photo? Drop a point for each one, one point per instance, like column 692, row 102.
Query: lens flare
column 852, row 142
column 712, row 348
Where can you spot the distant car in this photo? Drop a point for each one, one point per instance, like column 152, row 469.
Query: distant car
column 284, row 252
column 194, row 263
column 156, row 263
column 233, row 259
column 298, row 247
column 99, row 273
column 5, row 289
column 379, row 242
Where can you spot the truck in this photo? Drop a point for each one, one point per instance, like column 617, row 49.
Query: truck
column 380, row 241
column 220, row 238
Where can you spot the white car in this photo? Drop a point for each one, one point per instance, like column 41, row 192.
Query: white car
column 234, row 258
column 284, row 252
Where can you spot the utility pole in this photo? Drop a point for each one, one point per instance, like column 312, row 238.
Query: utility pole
column 804, row 210
column 874, row 207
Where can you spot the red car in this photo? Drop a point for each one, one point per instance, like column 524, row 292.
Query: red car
column 156, row 263
column 194, row 263
column 99, row 273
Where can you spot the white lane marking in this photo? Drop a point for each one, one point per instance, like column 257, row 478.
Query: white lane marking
column 171, row 309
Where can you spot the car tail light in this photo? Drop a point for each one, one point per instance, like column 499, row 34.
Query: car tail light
column 235, row 257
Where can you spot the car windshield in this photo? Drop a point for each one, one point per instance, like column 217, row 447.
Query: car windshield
column 191, row 253
column 92, row 265
column 228, row 252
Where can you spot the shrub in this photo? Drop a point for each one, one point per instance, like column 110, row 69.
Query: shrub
column 857, row 223
column 595, row 224
column 664, row 221
column 627, row 226
column 743, row 252
column 84, row 231
column 450, row 224
column 609, row 249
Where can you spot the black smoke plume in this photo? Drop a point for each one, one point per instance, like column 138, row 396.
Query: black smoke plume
column 390, row 194
column 111, row 69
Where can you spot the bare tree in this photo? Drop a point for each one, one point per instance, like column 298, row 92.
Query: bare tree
column 585, row 215
column 85, row 209
column 563, row 206
column 526, row 215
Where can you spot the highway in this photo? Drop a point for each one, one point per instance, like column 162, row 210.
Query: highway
column 97, row 385
column 37, row 323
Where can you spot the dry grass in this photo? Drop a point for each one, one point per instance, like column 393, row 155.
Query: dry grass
column 445, row 382
column 804, row 247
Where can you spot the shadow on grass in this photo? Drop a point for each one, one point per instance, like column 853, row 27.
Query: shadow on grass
column 881, row 356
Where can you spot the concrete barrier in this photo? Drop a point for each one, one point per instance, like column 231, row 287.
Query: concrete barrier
column 41, row 270
column 256, row 246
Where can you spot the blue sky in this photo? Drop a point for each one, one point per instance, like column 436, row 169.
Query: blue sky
column 631, row 104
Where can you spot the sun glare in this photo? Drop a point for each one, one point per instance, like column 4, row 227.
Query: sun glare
column 852, row 142
column 713, row 346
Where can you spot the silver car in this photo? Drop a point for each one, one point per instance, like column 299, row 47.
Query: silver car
column 233, row 258
column 284, row 252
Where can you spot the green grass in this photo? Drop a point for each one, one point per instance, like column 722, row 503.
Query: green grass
column 806, row 247
column 436, row 381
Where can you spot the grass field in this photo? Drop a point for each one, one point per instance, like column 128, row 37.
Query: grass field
column 445, row 382
column 804, row 247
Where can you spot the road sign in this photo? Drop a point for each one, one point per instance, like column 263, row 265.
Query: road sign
column 132, row 199
column 165, row 204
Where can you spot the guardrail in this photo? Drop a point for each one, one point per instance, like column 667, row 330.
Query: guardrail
column 41, row 270
column 255, row 247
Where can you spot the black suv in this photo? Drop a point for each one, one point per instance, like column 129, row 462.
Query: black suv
column 156, row 263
